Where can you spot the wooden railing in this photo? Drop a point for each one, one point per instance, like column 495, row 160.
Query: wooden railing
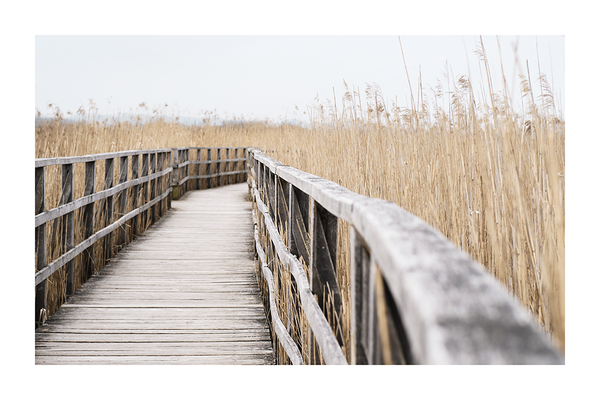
column 129, row 207
column 227, row 170
column 415, row 297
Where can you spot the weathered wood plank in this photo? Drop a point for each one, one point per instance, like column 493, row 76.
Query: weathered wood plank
column 145, row 337
column 157, row 348
column 153, row 360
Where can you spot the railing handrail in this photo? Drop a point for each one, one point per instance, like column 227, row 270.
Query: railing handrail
column 44, row 162
column 451, row 309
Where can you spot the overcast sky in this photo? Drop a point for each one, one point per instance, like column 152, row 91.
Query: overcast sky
column 268, row 76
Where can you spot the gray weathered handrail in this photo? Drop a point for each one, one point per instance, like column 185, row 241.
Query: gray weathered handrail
column 44, row 162
column 416, row 298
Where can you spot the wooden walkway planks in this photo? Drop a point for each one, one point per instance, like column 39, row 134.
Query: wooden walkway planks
column 183, row 293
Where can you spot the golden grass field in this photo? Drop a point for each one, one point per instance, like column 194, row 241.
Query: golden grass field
column 489, row 177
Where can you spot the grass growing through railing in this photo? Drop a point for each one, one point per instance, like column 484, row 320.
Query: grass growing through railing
column 489, row 177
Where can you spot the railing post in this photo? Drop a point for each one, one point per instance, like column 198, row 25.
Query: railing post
column 358, row 261
column 109, row 179
column 283, row 209
column 187, row 170
column 259, row 176
column 208, row 169
column 274, row 196
column 40, row 245
column 186, row 156
column 135, row 172
column 89, row 256
column 378, row 336
column 152, row 187
column 246, row 157
column 373, row 342
column 182, row 173
column 159, row 183
column 68, row 233
column 170, row 177
column 228, row 165
column 236, row 165
column 123, row 172
column 144, row 216
column 290, row 235
column 175, row 181
column 218, row 167
column 198, row 173
column 323, row 250
column 183, row 186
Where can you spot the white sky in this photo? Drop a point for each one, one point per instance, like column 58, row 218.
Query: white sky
column 267, row 76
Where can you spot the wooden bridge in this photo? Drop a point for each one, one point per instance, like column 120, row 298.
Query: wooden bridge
column 262, row 264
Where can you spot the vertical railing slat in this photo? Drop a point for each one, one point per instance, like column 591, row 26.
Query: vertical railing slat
column 198, row 169
column 153, row 186
column 218, row 167
column 245, row 174
column 159, row 183
column 135, row 174
column 109, row 180
column 40, row 244
column 123, row 173
column 68, row 232
column 169, row 177
column 228, row 165
column 89, row 256
column 357, row 262
column 144, row 217
column 175, row 180
column 323, row 248
column 236, row 167
column 208, row 168
column 187, row 170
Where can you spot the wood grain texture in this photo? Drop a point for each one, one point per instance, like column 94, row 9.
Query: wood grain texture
column 43, row 162
column 183, row 293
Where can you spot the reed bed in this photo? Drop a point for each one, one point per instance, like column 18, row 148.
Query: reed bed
column 489, row 177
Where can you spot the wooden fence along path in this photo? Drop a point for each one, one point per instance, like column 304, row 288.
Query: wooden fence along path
column 179, row 294
column 187, row 290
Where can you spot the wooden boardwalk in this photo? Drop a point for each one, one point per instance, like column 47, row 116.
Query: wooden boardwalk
column 185, row 292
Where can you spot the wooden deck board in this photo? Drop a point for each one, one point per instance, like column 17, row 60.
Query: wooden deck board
column 183, row 293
